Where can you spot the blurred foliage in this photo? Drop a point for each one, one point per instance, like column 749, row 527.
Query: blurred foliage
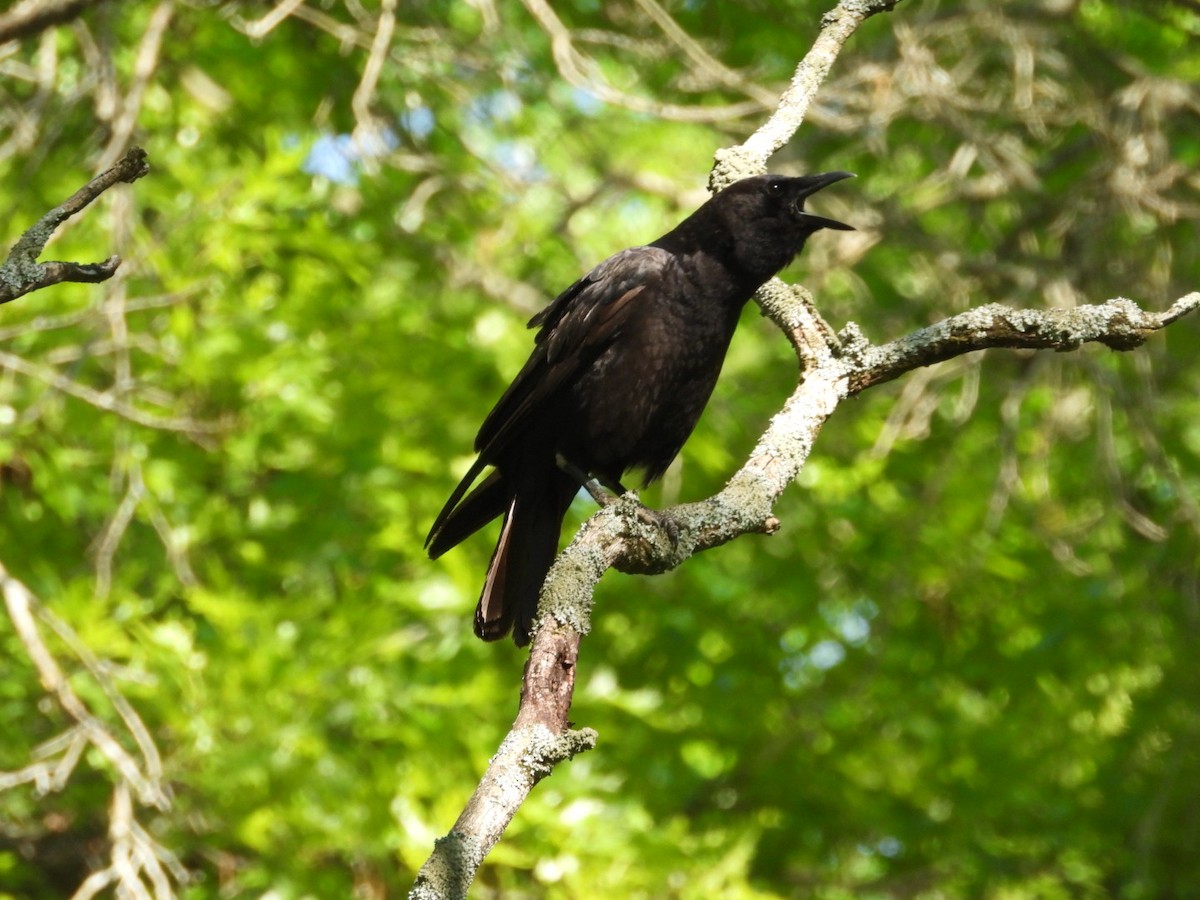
column 967, row 667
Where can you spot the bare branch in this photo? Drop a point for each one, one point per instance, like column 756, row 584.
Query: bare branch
column 1119, row 324
column 369, row 130
column 527, row 755
column 66, row 320
column 35, row 16
column 580, row 71
column 139, row 866
column 55, row 760
column 538, row 740
column 704, row 61
column 144, row 65
column 22, row 609
column 260, row 28
column 135, row 859
column 22, row 273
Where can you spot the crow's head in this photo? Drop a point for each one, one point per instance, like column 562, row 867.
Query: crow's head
column 761, row 221
column 777, row 201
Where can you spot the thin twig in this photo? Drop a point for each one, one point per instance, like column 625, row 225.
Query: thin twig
column 751, row 157
column 713, row 67
column 144, row 65
column 50, row 774
column 151, row 759
column 582, row 73
column 260, row 28
column 22, row 609
column 369, row 129
column 192, row 427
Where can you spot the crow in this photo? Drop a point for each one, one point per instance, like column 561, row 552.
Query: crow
column 622, row 366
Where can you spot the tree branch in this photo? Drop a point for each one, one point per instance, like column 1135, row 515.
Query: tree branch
column 750, row 158
column 35, row 16
column 616, row 537
column 21, row 273
column 581, row 72
column 1119, row 324
column 538, row 740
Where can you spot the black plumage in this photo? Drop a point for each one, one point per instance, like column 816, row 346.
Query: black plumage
column 622, row 366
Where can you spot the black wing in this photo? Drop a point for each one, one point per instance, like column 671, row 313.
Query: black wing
column 575, row 329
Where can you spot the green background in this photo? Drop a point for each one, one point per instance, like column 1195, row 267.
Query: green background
column 968, row 665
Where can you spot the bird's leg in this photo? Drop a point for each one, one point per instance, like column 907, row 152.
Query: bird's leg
column 606, row 492
column 603, row 491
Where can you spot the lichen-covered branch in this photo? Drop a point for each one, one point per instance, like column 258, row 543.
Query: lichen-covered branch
column 21, row 272
column 617, row 537
column 539, row 740
column 1120, row 324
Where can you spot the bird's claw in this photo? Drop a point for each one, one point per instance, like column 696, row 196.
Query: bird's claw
column 656, row 519
column 661, row 520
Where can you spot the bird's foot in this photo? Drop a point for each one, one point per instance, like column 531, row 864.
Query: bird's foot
column 606, row 493
column 661, row 520
column 652, row 538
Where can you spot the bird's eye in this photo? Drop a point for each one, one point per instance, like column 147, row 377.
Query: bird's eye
column 775, row 186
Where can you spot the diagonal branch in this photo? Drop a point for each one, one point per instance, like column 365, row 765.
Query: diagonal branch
column 136, row 858
column 195, row 429
column 21, row 273
column 581, row 72
column 141, row 775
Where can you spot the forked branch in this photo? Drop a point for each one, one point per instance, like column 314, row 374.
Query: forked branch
column 21, row 272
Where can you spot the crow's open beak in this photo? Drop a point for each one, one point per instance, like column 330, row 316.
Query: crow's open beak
column 809, row 186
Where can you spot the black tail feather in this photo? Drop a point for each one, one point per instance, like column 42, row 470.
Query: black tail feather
column 526, row 549
column 455, row 523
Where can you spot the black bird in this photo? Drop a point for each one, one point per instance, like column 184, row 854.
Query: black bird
column 624, row 363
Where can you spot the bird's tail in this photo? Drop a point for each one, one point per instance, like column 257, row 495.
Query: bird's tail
column 527, row 547
column 462, row 517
